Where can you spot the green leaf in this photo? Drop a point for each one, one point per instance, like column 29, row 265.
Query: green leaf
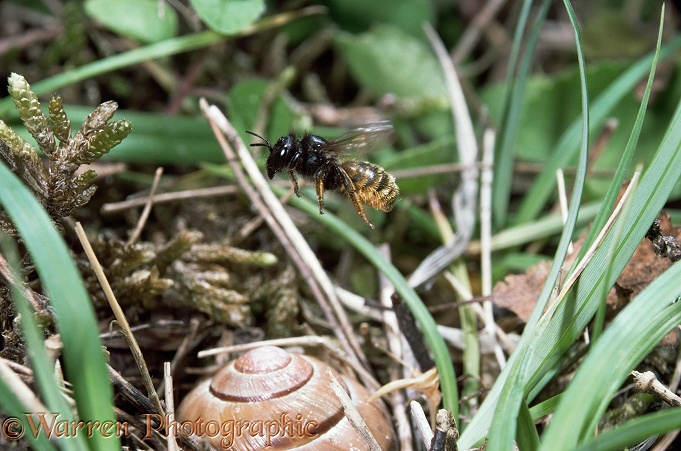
column 40, row 362
column 600, row 108
column 635, row 431
column 228, row 16
column 84, row 362
column 559, row 330
column 359, row 15
column 631, row 335
column 143, row 20
column 243, row 103
column 388, row 60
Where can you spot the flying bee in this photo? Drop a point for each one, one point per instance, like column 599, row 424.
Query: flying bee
column 319, row 159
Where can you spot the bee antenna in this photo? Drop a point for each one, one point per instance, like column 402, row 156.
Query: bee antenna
column 265, row 144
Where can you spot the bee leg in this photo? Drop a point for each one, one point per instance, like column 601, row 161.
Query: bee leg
column 294, row 180
column 319, row 186
column 350, row 191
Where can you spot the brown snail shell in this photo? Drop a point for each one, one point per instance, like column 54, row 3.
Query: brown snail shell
column 270, row 398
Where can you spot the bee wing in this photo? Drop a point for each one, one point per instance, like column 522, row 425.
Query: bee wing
column 362, row 138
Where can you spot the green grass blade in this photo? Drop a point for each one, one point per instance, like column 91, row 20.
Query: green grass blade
column 635, row 431
column 528, row 438
column 545, row 407
column 544, row 185
column 577, row 188
column 83, row 356
column 628, row 339
column 153, row 51
column 621, row 172
column 503, row 432
column 569, row 319
column 512, row 101
column 40, row 363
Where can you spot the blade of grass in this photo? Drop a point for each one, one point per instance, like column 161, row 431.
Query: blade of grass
column 40, row 363
column 528, row 438
column 623, row 166
column 635, row 431
column 543, row 186
column 569, row 319
column 629, row 338
column 82, row 354
column 157, row 50
column 512, row 101
column 503, row 432
column 545, row 407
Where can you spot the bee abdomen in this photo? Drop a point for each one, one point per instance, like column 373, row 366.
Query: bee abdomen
column 373, row 185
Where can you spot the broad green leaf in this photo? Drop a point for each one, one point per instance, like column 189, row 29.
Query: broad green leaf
column 359, row 15
column 228, row 16
column 243, row 103
column 388, row 60
column 143, row 20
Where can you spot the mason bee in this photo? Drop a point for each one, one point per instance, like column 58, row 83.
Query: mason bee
column 319, row 159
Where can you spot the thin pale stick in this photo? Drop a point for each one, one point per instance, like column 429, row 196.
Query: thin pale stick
column 308, row 260
column 170, row 406
column 393, row 334
column 147, row 209
column 486, row 240
column 562, row 198
column 352, row 414
column 421, row 422
column 307, row 340
column 120, row 318
column 213, row 191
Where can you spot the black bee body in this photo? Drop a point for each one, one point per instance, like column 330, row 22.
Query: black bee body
column 305, row 156
column 317, row 158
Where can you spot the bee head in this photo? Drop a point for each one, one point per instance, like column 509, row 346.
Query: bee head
column 280, row 153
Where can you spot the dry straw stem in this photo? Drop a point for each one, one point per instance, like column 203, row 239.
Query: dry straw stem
column 563, row 202
column 421, row 423
column 352, row 414
column 120, row 318
column 397, row 399
column 574, row 275
column 308, row 340
column 283, row 227
column 26, row 396
column 170, row 405
column 147, row 209
column 486, row 176
column 115, row 207
column 464, row 199
column 647, row 382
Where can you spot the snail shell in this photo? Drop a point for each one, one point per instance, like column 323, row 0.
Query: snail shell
column 273, row 399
